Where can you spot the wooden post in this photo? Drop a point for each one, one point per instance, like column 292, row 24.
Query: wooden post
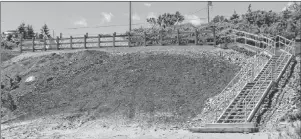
column 50, row 40
column 161, row 37
column 144, row 38
column 99, row 40
column 44, row 39
column 114, row 34
column 85, row 41
column 71, row 42
column 245, row 38
column 129, row 39
column 253, row 70
column 214, row 40
column 178, row 36
column 234, row 38
column 21, row 39
column 196, row 37
column 33, row 38
column 61, row 35
column 57, row 43
column 274, row 47
column 87, row 35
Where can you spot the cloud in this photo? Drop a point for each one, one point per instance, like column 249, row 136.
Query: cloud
column 193, row 19
column 151, row 14
column 106, row 17
column 82, row 22
column 147, row 4
column 135, row 16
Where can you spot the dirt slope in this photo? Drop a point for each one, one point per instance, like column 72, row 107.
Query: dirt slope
column 168, row 88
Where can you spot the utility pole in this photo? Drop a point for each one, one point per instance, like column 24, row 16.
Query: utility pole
column 130, row 17
column 209, row 4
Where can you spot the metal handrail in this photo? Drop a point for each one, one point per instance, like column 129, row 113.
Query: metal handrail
column 266, row 73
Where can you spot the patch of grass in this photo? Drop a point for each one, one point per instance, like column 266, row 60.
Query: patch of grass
column 8, row 54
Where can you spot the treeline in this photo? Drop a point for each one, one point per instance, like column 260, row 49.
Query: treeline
column 285, row 23
column 29, row 33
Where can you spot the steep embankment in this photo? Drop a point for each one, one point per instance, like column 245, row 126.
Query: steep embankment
column 157, row 87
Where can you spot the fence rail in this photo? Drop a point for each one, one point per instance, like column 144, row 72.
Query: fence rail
column 120, row 40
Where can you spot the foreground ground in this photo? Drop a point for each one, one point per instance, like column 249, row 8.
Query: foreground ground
column 110, row 96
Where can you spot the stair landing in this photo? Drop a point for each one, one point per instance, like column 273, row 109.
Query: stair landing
column 226, row 128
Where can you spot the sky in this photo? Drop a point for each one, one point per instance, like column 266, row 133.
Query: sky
column 78, row 18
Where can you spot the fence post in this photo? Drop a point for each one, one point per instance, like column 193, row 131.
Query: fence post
column 178, row 36
column 196, row 37
column 85, row 41
column 21, row 39
column 61, row 35
column 99, row 40
column 87, row 34
column 71, row 42
column 214, row 40
column 44, row 39
column 144, row 38
column 33, row 38
column 57, row 43
column 245, row 38
column 129, row 39
column 161, row 37
column 114, row 34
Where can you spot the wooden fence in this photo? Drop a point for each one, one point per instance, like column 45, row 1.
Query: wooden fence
column 119, row 40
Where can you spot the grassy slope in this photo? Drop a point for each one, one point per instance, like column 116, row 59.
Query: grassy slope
column 129, row 85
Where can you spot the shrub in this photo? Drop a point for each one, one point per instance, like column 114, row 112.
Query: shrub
column 8, row 45
column 298, row 131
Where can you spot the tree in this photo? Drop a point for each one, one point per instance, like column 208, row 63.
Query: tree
column 218, row 18
column 166, row 19
column 234, row 18
column 9, row 37
column 29, row 31
column 45, row 30
column 249, row 8
column 21, row 29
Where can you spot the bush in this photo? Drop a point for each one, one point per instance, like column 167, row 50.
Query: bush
column 298, row 131
column 9, row 37
column 8, row 45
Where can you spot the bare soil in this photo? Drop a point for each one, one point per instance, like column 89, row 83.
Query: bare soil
column 153, row 87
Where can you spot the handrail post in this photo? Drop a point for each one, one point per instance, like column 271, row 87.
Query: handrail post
column 245, row 110
column 71, row 42
column 245, row 38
